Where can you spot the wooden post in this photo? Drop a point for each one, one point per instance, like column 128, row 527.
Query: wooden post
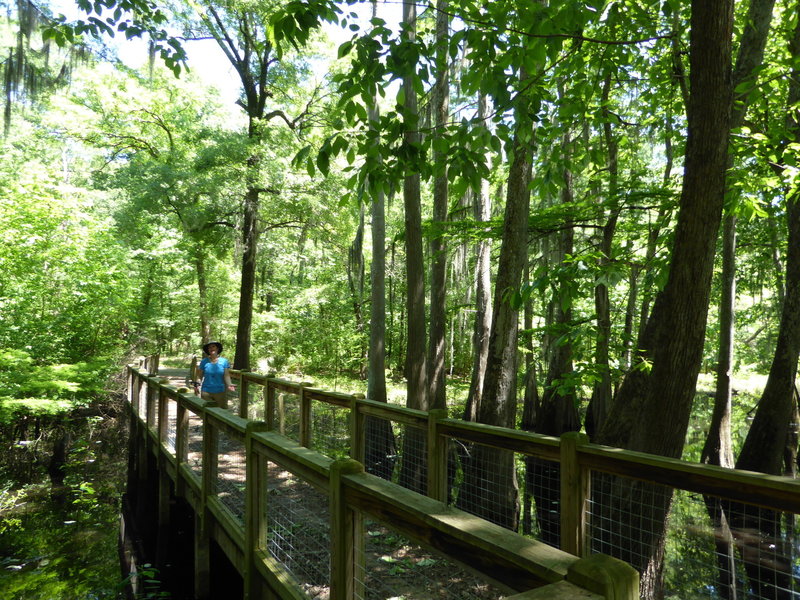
column 202, row 554
column 163, row 416
column 437, row 456
column 575, row 490
column 609, row 577
column 181, row 445
column 244, row 398
column 305, row 416
column 357, row 448
column 255, row 510
column 269, row 405
column 208, row 486
column 347, row 533
column 163, row 515
column 152, row 390
column 136, row 402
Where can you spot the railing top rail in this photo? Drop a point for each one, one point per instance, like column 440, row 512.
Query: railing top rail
column 410, row 416
column 518, row 562
column 535, row 444
column 194, row 403
column 337, row 398
column 771, row 491
column 308, row 464
column 223, row 418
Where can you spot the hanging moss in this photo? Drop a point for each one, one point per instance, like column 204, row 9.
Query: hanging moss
column 33, row 68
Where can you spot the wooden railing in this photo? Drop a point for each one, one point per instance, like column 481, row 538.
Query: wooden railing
column 267, row 405
column 200, row 449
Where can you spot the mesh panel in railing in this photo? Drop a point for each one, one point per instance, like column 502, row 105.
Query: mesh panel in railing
column 298, row 530
column 172, row 424
column 627, row 517
column 194, row 443
column 233, row 401
column 136, row 395
column 485, row 482
column 380, row 448
column 143, row 403
column 411, row 470
column 391, row 566
column 255, row 402
column 152, row 406
column 287, row 415
column 231, row 473
column 716, row 548
column 330, row 429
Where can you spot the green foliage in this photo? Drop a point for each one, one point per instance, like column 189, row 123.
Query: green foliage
column 33, row 390
column 132, row 18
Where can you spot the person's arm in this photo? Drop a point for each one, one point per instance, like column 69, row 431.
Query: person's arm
column 228, row 382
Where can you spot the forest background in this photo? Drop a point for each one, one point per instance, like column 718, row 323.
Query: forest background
column 552, row 218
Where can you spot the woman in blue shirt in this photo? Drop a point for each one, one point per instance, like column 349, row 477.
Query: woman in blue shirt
column 214, row 374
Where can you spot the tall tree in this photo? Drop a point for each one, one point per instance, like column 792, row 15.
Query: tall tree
column 498, row 398
column 417, row 389
column 241, row 31
column 651, row 412
column 718, row 447
column 482, row 211
column 438, row 244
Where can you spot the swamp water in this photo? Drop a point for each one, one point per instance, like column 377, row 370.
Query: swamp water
column 59, row 542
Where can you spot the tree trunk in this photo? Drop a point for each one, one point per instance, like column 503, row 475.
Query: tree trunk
column 652, row 409
column 718, row 448
column 413, row 473
column 202, row 293
column 601, row 393
column 490, row 468
column 380, row 447
column 441, row 109
column 558, row 411
column 530, row 408
column 247, row 288
column 483, row 298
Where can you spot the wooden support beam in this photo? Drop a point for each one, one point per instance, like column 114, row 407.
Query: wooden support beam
column 437, row 456
column 557, row 591
column 347, row 533
column 575, row 490
column 609, row 577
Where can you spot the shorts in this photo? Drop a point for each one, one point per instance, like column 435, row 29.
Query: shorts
column 220, row 398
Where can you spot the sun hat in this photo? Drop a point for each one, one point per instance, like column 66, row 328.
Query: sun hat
column 207, row 344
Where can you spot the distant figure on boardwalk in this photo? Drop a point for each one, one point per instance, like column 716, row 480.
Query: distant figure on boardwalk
column 213, row 374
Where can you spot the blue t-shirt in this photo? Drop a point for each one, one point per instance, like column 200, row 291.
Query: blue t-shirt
column 213, row 374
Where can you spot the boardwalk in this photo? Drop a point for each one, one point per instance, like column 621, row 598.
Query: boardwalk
column 399, row 545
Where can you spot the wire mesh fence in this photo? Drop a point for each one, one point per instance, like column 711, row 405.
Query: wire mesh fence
column 298, row 530
column 231, row 473
column 391, row 566
column 172, row 424
column 233, row 401
column 739, row 550
column 147, row 406
column 255, row 402
column 194, row 443
column 396, row 452
column 627, row 518
column 286, row 414
column 330, row 429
